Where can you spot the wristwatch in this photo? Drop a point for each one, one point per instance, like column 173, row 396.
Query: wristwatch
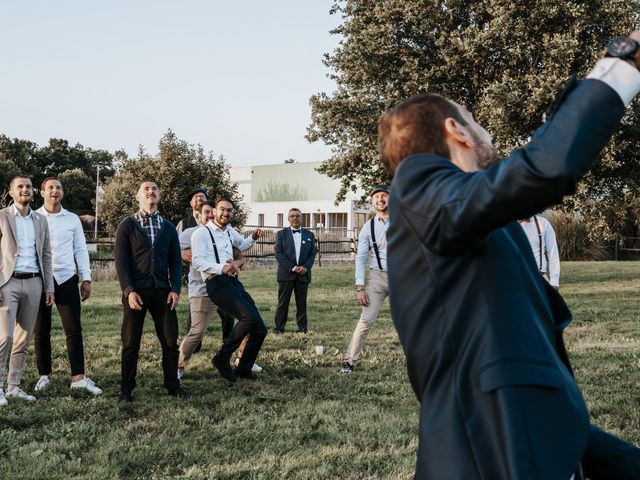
column 359, row 289
column 625, row 48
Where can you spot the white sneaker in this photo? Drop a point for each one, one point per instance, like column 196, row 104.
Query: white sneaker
column 42, row 384
column 20, row 394
column 86, row 384
column 255, row 369
column 3, row 399
column 180, row 373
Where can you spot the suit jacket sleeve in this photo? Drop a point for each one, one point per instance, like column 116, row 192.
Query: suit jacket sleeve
column 175, row 261
column 278, row 249
column 311, row 256
column 123, row 257
column 451, row 211
column 47, row 265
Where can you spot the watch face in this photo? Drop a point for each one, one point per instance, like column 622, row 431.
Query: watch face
column 621, row 47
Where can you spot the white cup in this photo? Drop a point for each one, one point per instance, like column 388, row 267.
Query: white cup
column 319, row 350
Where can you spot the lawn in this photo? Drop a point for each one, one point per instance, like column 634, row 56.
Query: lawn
column 301, row 420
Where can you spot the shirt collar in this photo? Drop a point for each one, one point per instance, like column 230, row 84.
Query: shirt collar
column 17, row 212
column 381, row 219
column 43, row 211
column 212, row 225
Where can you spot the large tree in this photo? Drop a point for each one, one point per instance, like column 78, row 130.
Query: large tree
column 178, row 168
column 504, row 60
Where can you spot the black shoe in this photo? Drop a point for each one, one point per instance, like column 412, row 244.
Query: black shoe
column 245, row 375
column 179, row 393
column 223, row 367
column 198, row 347
column 278, row 331
column 302, row 330
column 126, row 397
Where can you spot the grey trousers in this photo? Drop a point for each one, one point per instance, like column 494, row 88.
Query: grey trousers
column 377, row 290
column 18, row 313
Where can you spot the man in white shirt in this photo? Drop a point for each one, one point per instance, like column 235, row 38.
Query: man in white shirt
column 543, row 243
column 25, row 272
column 212, row 249
column 372, row 245
column 69, row 250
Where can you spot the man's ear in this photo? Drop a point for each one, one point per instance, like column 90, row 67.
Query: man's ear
column 457, row 133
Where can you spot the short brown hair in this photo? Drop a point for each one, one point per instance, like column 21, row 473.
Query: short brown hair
column 44, row 182
column 415, row 126
column 17, row 177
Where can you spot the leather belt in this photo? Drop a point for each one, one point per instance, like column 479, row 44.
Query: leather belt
column 24, row 275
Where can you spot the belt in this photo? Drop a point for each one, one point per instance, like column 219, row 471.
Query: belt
column 23, row 275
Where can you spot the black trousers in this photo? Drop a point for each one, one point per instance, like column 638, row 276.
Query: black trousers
column 229, row 294
column 68, row 304
column 285, row 289
column 166, row 324
column 609, row 458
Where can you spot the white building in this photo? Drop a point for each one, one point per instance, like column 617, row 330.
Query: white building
column 269, row 191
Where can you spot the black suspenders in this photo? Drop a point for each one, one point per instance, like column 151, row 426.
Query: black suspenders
column 215, row 248
column 375, row 244
column 535, row 219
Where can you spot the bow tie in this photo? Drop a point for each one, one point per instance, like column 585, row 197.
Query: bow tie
column 295, row 231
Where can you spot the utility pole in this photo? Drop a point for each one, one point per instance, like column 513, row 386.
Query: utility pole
column 95, row 233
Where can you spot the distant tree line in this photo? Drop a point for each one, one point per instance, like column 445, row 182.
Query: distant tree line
column 177, row 168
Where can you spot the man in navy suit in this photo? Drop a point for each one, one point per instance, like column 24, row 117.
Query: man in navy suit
column 295, row 252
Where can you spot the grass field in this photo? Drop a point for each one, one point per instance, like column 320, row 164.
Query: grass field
column 302, row 420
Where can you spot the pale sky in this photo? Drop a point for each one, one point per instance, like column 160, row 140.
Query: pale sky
column 233, row 76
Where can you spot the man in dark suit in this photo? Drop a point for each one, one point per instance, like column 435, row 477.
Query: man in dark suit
column 149, row 268
column 295, row 252
column 481, row 328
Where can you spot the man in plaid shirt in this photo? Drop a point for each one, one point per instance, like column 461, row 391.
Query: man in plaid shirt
column 149, row 268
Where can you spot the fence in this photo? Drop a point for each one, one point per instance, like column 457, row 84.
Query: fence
column 332, row 244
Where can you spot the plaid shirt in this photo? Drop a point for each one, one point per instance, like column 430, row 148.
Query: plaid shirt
column 150, row 223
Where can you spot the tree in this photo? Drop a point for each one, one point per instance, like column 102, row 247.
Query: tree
column 178, row 169
column 78, row 187
column 506, row 61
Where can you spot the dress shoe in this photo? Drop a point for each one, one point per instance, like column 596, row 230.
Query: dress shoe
column 302, row 330
column 277, row 331
column 245, row 375
column 222, row 364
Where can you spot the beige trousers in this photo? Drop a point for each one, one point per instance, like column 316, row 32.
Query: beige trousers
column 377, row 290
column 18, row 312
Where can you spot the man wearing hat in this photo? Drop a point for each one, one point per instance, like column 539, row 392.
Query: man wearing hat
column 196, row 200
column 372, row 245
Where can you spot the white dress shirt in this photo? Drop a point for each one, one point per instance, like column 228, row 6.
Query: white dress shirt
column 365, row 247
column 297, row 243
column 197, row 287
column 620, row 75
column 202, row 252
column 68, row 246
column 27, row 257
column 545, row 241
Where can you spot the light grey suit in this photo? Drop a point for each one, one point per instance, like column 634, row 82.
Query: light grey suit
column 20, row 298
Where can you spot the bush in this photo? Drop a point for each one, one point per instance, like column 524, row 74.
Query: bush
column 572, row 234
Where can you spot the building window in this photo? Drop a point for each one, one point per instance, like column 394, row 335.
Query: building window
column 261, row 219
column 280, row 220
column 319, row 220
column 337, row 220
column 306, row 220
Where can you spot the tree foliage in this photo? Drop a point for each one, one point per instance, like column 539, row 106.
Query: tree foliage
column 178, row 169
column 506, row 61
column 23, row 157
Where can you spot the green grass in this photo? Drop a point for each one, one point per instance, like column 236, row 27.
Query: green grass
column 302, row 420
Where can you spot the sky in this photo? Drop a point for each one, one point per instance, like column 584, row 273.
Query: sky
column 233, row 76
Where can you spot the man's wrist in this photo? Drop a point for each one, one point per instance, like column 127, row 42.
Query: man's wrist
column 359, row 288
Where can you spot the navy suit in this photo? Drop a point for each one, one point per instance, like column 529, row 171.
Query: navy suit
column 480, row 327
column 288, row 280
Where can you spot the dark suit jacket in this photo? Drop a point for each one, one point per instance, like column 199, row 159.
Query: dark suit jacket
column 9, row 247
column 474, row 316
column 285, row 252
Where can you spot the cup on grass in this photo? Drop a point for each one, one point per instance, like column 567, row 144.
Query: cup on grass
column 319, row 350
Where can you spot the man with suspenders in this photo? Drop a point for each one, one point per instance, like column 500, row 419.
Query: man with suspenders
column 544, row 246
column 372, row 239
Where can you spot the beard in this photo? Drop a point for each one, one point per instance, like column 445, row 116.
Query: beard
column 486, row 154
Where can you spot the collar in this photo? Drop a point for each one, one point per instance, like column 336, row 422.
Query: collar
column 299, row 229
column 16, row 212
column 144, row 214
column 378, row 217
column 43, row 211
column 212, row 225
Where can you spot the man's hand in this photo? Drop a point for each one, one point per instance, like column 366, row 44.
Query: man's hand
column 362, row 298
column 231, row 269
column 187, row 255
column 300, row 270
column 257, row 234
column 135, row 301
column 555, row 288
column 49, row 299
column 85, row 290
column 239, row 258
column 172, row 299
